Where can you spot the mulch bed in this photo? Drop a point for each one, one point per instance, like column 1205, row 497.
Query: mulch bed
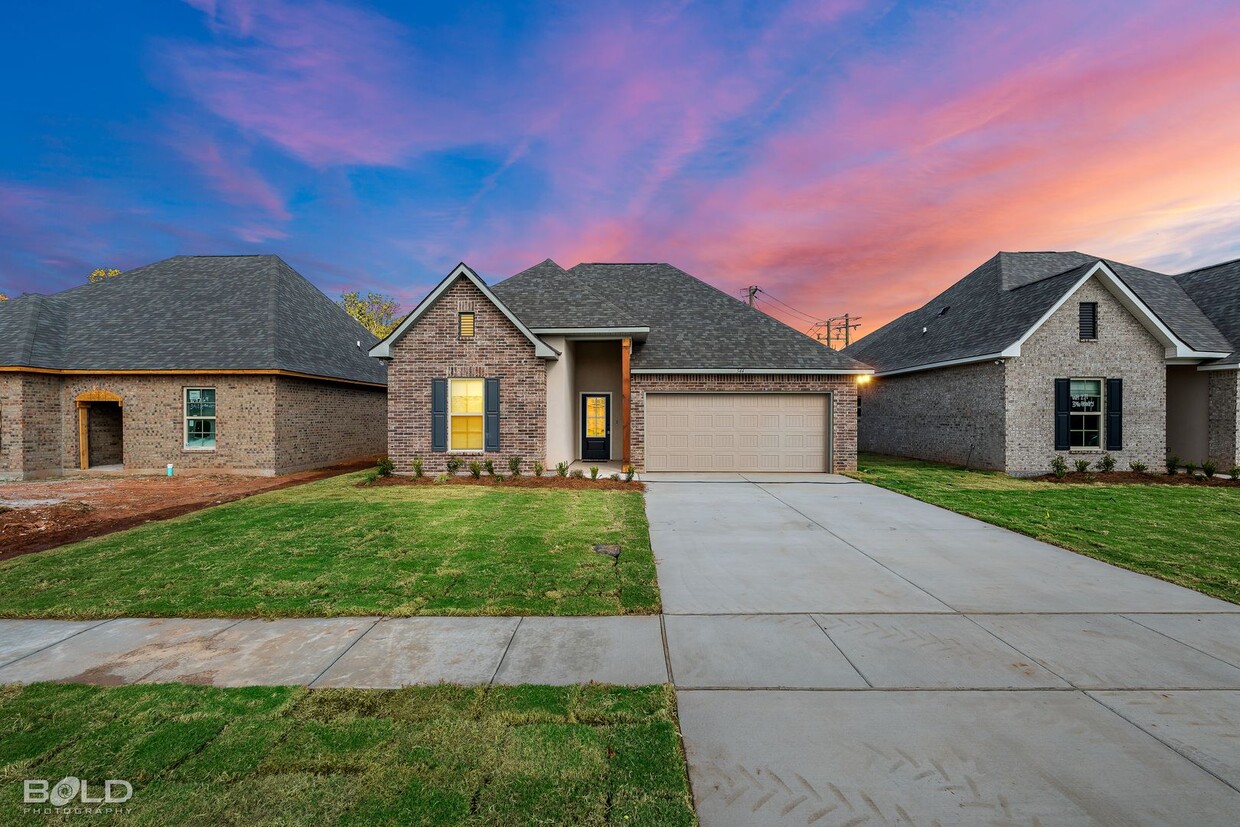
column 569, row 483
column 1134, row 478
column 94, row 506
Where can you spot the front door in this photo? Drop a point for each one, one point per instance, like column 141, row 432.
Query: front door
column 596, row 426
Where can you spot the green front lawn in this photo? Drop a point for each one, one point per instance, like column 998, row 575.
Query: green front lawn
column 330, row 548
column 441, row 755
column 1186, row 534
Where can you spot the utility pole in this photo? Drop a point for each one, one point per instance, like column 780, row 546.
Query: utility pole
column 753, row 292
column 846, row 325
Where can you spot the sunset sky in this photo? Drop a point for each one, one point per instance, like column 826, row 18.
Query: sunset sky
column 847, row 156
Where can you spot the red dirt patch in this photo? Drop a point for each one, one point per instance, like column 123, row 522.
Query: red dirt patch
column 1134, row 478
column 93, row 506
column 600, row 484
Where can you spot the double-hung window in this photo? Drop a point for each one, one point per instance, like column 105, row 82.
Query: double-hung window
column 465, row 427
column 200, row 419
column 1085, row 423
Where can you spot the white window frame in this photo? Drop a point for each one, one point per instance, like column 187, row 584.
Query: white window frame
column 1101, row 414
column 482, row 416
column 185, row 419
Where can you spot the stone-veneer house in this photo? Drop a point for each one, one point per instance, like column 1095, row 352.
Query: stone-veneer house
column 633, row 364
column 1034, row 355
column 224, row 363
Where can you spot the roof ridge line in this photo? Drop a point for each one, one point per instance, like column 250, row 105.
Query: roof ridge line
column 1206, row 267
column 1090, row 263
column 33, row 332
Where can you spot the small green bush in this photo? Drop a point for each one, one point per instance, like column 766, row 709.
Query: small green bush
column 475, row 469
column 628, row 473
column 593, row 472
column 1190, row 468
column 561, row 469
column 578, row 474
column 615, row 477
column 538, row 469
column 418, row 468
column 1059, row 467
column 385, row 467
column 442, row 478
column 1173, row 462
column 370, row 476
column 1235, row 472
column 1137, row 466
column 1209, row 467
column 1106, row 463
column 514, row 465
column 489, row 466
column 454, row 464
column 1082, row 465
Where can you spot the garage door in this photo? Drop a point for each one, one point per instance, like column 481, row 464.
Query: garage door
column 737, row 431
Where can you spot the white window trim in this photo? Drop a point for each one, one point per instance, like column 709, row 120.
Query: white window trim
column 1101, row 414
column 482, row 416
column 185, row 418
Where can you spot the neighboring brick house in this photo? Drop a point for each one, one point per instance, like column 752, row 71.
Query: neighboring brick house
column 1034, row 355
column 635, row 364
column 225, row 363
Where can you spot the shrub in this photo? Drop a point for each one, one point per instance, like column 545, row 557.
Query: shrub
column 628, row 473
column 475, row 469
column 514, row 465
column 442, row 478
column 489, row 466
column 418, row 468
column 1209, row 467
column 1082, row 465
column 538, row 469
column 615, row 477
column 385, row 467
column 453, row 464
column 1190, row 468
column 1137, row 466
column 1106, row 463
column 370, row 476
column 593, row 472
column 578, row 474
column 561, row 469
column 1059, row 467
column 1235, row 472
column 1173, row 462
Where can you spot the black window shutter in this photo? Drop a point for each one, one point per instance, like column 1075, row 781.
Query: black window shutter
column 439, row 414
column 1063, row 403
column 1115, row 414
column 491, row 423
column 1089, row 320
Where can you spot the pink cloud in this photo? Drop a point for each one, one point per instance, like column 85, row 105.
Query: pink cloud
column 230, row 172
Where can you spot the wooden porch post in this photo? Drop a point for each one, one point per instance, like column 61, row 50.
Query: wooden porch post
column 83, row 410
column 626, row 346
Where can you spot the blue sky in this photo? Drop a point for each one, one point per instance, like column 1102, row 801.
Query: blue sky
column 846, row 155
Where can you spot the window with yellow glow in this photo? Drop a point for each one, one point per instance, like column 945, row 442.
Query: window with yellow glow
column 467, row 324
column 466, row 414
column 596, row 416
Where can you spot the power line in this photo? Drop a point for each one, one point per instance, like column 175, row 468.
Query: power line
column 789, row 308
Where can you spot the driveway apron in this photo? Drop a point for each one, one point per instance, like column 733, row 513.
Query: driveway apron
column 844, row 655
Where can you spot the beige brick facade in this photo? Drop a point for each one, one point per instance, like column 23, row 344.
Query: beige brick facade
column 265, row 424
column 954, row 414
column 432, row 349
column 843, row 390
column 1225, row 418
column 1124, row 349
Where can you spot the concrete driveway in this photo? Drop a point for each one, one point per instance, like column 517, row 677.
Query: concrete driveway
column 844, row 655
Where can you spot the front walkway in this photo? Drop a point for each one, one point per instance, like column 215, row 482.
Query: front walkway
column 843, row 655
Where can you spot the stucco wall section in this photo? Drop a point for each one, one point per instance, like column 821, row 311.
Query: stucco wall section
column 560, row 408
column 1124, row 349
column 319, row 424
column 842, row 388
column 1225, row 418
column 596, row 369
column 953, row 415
column 1188, row 413
column 431, row 348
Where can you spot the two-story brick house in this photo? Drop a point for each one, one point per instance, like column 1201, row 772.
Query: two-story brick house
column 1034, row 355
column 636, row 364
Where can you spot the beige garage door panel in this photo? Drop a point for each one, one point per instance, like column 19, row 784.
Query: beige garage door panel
column 737, row 431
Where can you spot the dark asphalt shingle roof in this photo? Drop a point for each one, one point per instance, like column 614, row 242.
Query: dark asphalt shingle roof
column 992, row 307
column 693, row 326
column 191, row 313
column 1216, row 290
